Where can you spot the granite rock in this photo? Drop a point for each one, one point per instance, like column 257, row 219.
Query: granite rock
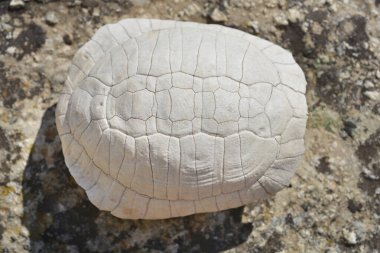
column 43, row 210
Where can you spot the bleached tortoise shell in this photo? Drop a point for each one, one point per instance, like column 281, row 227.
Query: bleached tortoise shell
column 162, row 118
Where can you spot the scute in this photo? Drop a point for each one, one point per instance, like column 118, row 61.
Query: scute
column 163, row 118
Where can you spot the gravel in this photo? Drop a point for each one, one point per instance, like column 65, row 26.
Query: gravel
column 51, row 18
column 333, row 202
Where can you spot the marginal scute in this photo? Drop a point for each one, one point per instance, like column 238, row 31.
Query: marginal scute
column 119, row 63
column 182, row 208
column 128, row 165
column 279, row 171
column 175, row 43
column 104, row 39
column 297, row 101
column 131, row 27
column 112, row 196
column 103, row 70
column 188, row 171
column 233, row 172
column 158, row 209
column 191, row 42
column 278, row 111
column 204, row 156
column 158, row 150
column 90, row 137
column 62, row 125
column 255, row 71
column 292, row 148
column 278, row 55
column 132, row 52
column 235, row 54
column 162, row 118
column 83, row 60
column 117, row 152
column 295, row 130
column 257, row 154
column 93, row 50
column 143, row 176
column 88, row 176
column 161, row 55
column 206, row 61
column 146, row 45
column 292, row 76
column 102, row 154
column 173, row 172
column 98, row 191
column 118, row 33
column 206, row 205
column 62, row 105
column 79, row 112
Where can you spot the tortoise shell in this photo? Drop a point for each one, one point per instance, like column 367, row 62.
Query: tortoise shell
column 163, row 118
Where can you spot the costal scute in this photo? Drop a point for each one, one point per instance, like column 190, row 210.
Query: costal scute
column 162, row 118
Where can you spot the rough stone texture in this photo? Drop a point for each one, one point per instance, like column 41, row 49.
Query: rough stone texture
column 161, row 118
column 333, row 204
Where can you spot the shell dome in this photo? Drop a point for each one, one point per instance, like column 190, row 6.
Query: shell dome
column 162, row 118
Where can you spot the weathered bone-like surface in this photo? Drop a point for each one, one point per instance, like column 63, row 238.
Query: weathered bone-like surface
column 160, row 119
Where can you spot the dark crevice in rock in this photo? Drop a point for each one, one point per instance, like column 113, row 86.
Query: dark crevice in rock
column 59, row 216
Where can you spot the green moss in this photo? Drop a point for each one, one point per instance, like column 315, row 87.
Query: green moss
column 323, row 117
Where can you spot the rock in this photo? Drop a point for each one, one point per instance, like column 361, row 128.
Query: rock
column 255, row 26
column 6, row 27
column 5, row 18
column 310, row 216
column 218, row 16
column 67, row 39
column 192, row 10
column 271, row 3
column 294, row 15
column 96, row 12
column 376, row 109
column 368, row 84
column 349, row 127
column 354, row 206
column 51, row 18
column 140, row 2
column 349, row 237
column 16, row 4
column 289, row 219
column 333, row 7
column 324, row 165
column 280, row 20
column 89, row 4
column 378, row 74
column 11, row 50
column 370, row 174
column 372, row 95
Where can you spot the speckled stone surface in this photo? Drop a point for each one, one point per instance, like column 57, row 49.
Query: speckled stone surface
column 333, row 203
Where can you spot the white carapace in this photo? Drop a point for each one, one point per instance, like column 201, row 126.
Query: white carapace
column 161, row 118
